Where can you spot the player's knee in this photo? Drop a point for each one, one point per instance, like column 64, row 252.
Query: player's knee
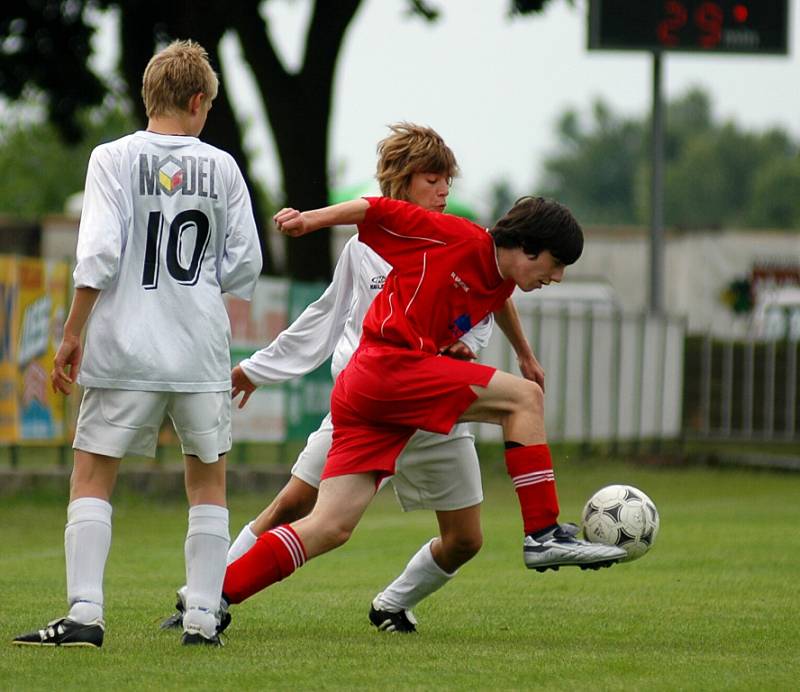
column 530, row 397
column 337, row 535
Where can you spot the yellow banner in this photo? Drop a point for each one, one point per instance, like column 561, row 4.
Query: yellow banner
column 33, row 296
column 8, row 342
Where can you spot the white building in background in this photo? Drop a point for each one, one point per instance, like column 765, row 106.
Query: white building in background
column 699, row 269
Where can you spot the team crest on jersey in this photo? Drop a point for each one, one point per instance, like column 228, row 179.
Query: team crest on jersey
column 189, row 175
column 376, row 282
column 460, row 325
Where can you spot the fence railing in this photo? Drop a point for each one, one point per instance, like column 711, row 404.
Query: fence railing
column 610, row 377
column 745, row 390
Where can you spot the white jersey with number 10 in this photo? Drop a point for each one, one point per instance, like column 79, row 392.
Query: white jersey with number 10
column 167, row 227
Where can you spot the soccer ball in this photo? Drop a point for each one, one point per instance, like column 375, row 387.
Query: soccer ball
column 624, row 516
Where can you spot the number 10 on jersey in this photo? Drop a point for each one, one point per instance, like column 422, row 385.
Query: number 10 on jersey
column 188, row 225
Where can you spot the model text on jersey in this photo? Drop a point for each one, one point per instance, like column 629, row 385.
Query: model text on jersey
column 191, row 175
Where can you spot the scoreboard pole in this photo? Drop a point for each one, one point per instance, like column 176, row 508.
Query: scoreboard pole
column 656, row 295
column 701, row 26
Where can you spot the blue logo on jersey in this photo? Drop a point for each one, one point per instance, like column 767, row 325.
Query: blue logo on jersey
column 460, row 325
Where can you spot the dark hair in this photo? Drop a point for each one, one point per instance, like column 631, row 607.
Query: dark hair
column 536, row 224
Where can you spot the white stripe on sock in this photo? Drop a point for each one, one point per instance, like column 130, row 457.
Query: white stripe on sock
column 292, row 544
column 533, row 478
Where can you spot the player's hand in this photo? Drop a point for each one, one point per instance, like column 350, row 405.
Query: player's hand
column 531, row 370
column 460, row 351
column 290, row 222
column 241, row 385
column 66, row 365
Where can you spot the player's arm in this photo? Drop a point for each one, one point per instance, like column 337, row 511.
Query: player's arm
column 308, row 341
column 67, row 362
column 296, row 223
column 471, row 343
column 508, row 320
column 98, row 256
column 240, row 265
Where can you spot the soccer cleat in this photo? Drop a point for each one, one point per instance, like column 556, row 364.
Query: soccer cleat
column 175, row 621
column 559, row 547
column 199, row 639
column 388, row 621
column 65, row 632
column 570, row 528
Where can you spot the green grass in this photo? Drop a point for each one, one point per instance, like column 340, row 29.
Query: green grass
column 712, row 607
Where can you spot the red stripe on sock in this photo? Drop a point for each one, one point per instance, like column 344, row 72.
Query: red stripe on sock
column 275, row 555
column 531, row 470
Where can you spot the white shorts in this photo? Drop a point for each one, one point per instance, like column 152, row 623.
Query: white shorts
column 116, row 422
column 436, row 472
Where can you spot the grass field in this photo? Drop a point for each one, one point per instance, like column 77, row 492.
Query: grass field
column 712, row 607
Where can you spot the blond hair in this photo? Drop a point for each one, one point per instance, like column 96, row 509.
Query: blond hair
column 408, row 150
column 174, row 75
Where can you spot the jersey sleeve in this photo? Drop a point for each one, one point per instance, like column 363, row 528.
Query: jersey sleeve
column 102, row 226
column 399, row 231
column 240, row 264
column 478, row 337
column 312, row 337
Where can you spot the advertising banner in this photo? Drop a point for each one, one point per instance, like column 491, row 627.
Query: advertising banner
column 8, row 341
column 33, row 296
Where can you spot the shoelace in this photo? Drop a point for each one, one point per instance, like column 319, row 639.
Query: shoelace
column 50, row 632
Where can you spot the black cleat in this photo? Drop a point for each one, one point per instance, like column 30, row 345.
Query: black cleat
column 387, row 621
column 175, row 621
column 198, row 639
column 65, row 632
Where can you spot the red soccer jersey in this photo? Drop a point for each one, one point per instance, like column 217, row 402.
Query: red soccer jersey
column 444, row 279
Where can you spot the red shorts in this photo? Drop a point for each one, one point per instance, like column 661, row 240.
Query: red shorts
column 385, row 394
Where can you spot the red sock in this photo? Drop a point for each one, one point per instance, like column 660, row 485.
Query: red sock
column 531, row 471
column 275, row 555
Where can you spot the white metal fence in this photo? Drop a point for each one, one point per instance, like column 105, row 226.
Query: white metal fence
column 610, row 377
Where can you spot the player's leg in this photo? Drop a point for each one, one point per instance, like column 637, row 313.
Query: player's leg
column 439, row 473
column 517, row 405
column 296, row 499
column 202, row 422
column 110, row 424
column 87, row 540
column 428, row 570
column 279, row 552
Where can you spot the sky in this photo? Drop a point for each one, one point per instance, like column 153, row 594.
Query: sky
column 494, row 86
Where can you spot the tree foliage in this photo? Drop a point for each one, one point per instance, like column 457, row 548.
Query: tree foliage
column 45, row 47
column 716, row 173
column 42, row 171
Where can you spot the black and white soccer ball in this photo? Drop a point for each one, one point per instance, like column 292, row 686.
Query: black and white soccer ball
column 624, row 516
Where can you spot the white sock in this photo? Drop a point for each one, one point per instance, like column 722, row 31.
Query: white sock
column 207, row 543
column 421, row 577
column 87, row 540
column 244, row 541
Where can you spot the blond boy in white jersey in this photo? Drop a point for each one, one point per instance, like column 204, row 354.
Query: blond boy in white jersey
column 167, row 227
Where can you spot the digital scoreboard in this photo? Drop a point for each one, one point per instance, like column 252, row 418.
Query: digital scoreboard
column 704, row 26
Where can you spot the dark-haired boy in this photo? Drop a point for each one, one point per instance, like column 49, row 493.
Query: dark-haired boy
column 448, row 274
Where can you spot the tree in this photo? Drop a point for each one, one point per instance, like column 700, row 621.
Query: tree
column 716, row 174
column 595, row 170
column 43, row 171
column 47, row 47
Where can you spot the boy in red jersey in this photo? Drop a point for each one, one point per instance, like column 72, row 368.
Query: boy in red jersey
column 448, row 274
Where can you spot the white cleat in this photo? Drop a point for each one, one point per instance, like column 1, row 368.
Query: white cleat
column 559, row 547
